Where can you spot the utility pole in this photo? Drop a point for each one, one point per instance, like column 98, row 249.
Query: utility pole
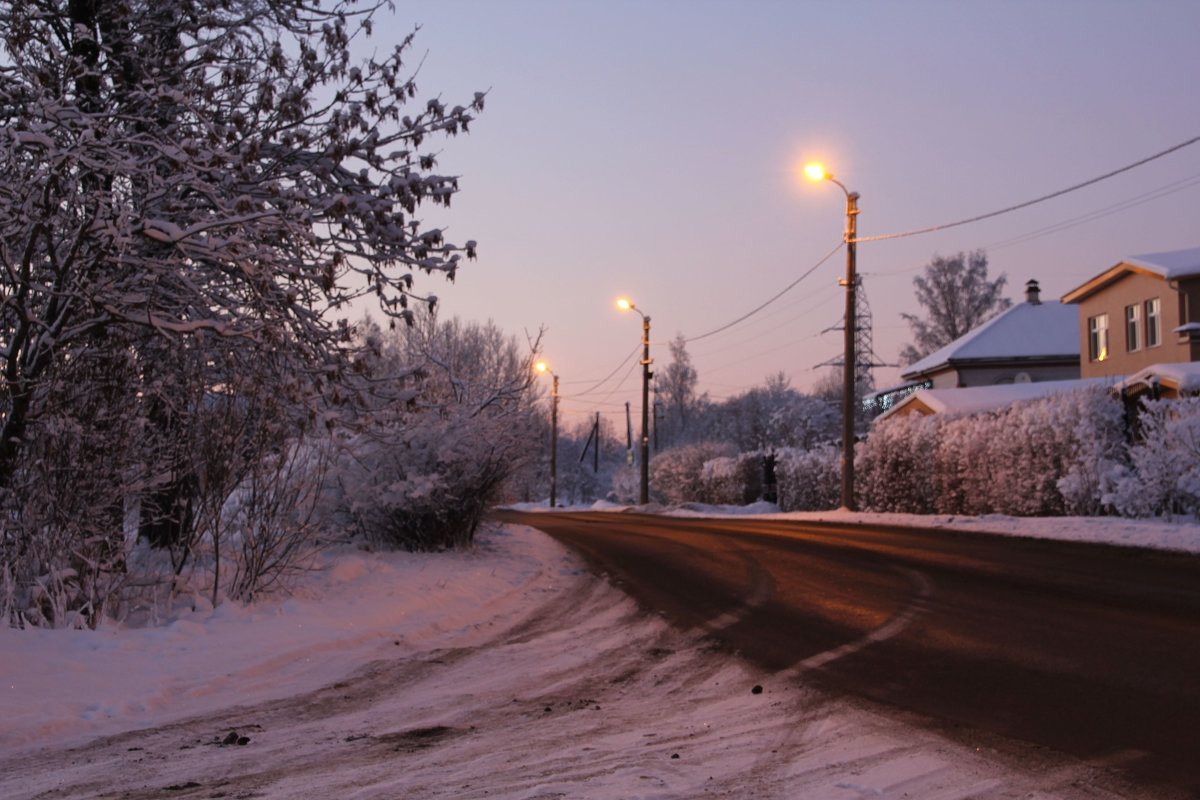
column 849, row 384
column 554, row 444
column 645, row 493
column 628, row 306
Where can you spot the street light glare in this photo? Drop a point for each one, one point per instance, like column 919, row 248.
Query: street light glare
column 816, row 172
column 625, row 304
column 541, row 366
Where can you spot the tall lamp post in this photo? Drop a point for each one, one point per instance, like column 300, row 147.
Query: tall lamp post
column 849, row 382
column 645, row 490
column 542, row 367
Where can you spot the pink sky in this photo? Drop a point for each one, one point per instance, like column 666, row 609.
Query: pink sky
column 652, row 149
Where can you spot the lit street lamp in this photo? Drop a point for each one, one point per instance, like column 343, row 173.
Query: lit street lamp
column 541, row 367
column 645, row 490
column 849, row 384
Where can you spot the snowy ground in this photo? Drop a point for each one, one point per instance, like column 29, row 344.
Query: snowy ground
column 507, row 671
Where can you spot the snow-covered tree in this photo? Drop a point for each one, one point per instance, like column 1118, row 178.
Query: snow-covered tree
column 957, row 297
column 678, row 385
column 195, row 165
column 190, row 193
column 773, row 415
column 420, row 477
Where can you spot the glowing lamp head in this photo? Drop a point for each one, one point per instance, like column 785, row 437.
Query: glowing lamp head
column 624, row 304
column 541, row 366
column 816, row 172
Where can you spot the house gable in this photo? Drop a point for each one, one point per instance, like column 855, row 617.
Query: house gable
column 1139, row 313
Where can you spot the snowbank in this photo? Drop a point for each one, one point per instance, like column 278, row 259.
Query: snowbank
column 505, row 671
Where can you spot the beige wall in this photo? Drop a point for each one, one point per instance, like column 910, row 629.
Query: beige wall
column 1002, row 374
column 1132, row 288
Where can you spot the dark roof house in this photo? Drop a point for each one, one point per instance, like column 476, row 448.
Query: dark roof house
column 1030, row 342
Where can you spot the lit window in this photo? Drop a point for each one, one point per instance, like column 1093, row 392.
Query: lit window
column 1098, row 337
column 1133, row 327
column 1153, row 323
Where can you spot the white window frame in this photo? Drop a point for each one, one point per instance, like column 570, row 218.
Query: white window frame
column 1133, row 328
column 1153, row 322
column 1098, row 337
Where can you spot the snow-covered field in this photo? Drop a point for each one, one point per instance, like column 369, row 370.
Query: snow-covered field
column 506, row 671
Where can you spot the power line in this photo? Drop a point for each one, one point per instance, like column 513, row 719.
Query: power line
column 608, row 377
column 1146, row 197
column 617, row 388
column 1035, row 201
column 784, row 291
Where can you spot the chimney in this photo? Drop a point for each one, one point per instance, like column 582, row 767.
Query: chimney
column 1032, row 292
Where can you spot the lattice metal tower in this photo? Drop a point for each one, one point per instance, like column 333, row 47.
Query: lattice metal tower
column 865, row 359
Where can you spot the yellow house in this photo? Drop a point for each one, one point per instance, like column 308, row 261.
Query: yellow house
column 1145, row 310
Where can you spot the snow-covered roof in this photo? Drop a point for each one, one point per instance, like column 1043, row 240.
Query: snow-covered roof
column 1172, row 265
column 977, row 399
column 1045, row 330
column 1184, row 377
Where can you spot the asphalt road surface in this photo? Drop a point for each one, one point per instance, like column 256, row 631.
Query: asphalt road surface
column 1090, row 650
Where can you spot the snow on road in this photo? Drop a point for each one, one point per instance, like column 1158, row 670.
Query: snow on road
column 506, row 671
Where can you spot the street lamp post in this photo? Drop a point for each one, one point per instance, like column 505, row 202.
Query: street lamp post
column 645, row 489
column 849, row 382
column 542, row 367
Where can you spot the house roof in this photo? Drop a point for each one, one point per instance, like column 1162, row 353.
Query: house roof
column 1171, row 265
column 978, row 399
column 1025, row 332
column 1183, row 377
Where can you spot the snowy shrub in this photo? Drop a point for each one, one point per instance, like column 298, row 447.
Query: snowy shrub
column 809, row 480
column 421, row 473
column 894, row 466
column 1164, row 472
column 1099, row 448
column 430, row 489
column 275, row 519
column 62, row 542
column 1047, row 457
column 721, row 482
column 1039, row 458
column 1027, row 452
column 960, row 471
column 626, row 485
column 732, row 481
column 751, row 466
column 675, row 475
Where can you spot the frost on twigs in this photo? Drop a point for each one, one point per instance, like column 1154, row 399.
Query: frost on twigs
column 187, row 189
column 469, row 429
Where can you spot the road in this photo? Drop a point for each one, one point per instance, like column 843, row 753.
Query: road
column 1091, row 650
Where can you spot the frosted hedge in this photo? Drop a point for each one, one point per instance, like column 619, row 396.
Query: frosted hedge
column 1070, row 454
column 1047, row 457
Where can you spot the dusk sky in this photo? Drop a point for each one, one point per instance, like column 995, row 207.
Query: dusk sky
column 653, row 149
